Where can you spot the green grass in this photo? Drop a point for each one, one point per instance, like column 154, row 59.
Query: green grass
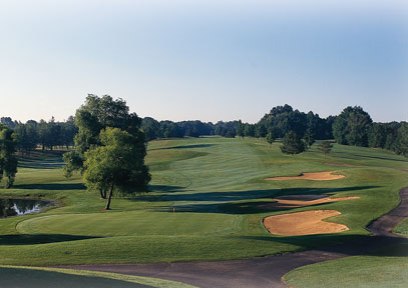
column 356, row 271
column 402, row 228
column 203, row 204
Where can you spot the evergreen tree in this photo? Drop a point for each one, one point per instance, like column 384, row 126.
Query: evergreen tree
column 270, row 138
column 8, row 160
column 325, row 147
column 292, row 144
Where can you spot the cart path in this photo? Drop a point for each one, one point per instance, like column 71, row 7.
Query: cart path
column 263, row 271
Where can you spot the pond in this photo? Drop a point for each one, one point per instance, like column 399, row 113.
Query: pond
column 17, row 207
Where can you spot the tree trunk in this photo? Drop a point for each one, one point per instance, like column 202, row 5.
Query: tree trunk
column 103, row 193
column 108, row 202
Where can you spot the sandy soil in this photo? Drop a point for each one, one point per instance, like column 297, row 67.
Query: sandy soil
column 303, row 223
column 295, row 201
column 317, row 176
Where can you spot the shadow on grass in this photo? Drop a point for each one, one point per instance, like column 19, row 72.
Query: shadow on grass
column 23, row 277
column 52, row 186
column 350, row 245
column 256, row 194
column 240, row 208
column 29, row 239
column 187, row 146
column 164, row 188
column 241, row 202
column 40, row 165
column 346, row 155
column 40, row 162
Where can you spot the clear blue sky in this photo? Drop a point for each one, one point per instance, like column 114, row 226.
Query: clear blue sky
column 208, row 60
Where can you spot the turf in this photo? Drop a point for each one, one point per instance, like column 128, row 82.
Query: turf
column 202, row 204
column 357, row 271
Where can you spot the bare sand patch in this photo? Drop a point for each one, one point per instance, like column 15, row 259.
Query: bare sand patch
column 295, row 201
column 316, row 176
column 303, row 223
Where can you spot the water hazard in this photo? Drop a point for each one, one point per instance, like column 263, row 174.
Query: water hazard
column 17, row 207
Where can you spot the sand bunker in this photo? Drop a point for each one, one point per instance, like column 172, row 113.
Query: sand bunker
column 303, row 223
column 317, row 176
column 296, row 201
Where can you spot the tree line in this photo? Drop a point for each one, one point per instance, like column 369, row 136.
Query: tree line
column 353, row 126
column 44, row 134
column 104, row 126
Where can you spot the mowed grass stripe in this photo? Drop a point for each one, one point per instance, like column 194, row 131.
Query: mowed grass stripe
column 137, row 223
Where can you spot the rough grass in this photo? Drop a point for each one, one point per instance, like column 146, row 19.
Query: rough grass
column 202, row 204
column 402, row 228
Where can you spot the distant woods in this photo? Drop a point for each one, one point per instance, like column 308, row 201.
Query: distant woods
column 8, row 161
column 43, row 134
column 353, row 126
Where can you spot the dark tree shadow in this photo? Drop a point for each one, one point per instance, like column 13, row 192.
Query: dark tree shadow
column 191, row 146
column 350, row 156
column 40, row 165
column 52, row 186
column 255, row 194
column 347, row 244
column 29, row 239
column 164, row 188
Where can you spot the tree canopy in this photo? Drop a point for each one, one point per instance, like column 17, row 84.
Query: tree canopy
column 351, row 127
column 108, row 137
column 292, row 144
column 8, row 160
column 325, row 147
column 117, row 164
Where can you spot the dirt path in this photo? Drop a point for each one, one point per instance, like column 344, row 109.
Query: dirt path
column 264, row 271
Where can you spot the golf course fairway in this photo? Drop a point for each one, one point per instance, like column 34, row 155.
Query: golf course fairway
column 206, row 201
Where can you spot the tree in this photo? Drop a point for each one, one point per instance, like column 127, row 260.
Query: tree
column 8, row 161
column 325, row 147
column 98, row 113
column 351, row 126
column 95, row 116
column 260, row 131
column 270, row 138
column 292, row 144
column 402, row 140
column 68, row 132
column 309, row 138
column 117, row 164
column 240, row 129
column 377, row 135
column 249, row 130
column 151, row 128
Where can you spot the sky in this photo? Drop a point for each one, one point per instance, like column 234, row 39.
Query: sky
column 204, row 60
